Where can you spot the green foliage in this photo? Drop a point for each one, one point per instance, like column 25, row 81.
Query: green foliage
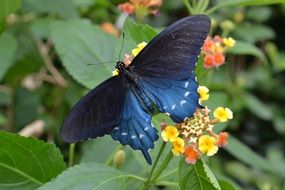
column 197, row 176
column 51, row 51
column 62, row 8
column 87, row 44
column 27, row 163
column 8, row 46
column 7, row 7
column 246, row 48
column 88, row 176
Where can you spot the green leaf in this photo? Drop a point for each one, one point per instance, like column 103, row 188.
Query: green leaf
column 134, row 34
column 62, row 8
column 8, row 47
column 196, row 177
column 27, row 163
column 257, row 107
column 253, row 33
column 79, row 43
column 200, row 70
column 88, row 176
column 25, row 100
column 91, row 148
column 235, row 148
column 40, row 28
column 276, row 58
column 7, row 7
column 139, row 32
column 224, row 3
column 226, row 185
column 249, row 2
column 244, row 48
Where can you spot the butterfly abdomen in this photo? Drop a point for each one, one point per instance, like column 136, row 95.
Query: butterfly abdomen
column 144, row 100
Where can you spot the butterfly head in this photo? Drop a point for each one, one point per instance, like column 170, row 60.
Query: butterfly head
column 120, row 66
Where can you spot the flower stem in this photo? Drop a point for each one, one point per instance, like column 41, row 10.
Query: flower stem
column 163, row 166
column 147, row 182
column 188, row 6
column 71, row 154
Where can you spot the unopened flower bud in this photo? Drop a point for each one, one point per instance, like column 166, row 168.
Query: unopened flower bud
column 227, row 25
column 119, row 158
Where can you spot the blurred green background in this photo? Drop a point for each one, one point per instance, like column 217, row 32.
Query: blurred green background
column 45, row 46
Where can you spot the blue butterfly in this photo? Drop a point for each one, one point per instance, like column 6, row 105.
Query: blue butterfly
column 159, row 79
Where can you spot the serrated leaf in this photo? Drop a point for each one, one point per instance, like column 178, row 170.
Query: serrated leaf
column 244, row 48
column 27, row 163
column 78, row 44
column 62, row 8
column 8, row 47
column 88, row 176
column 7, row 7
column 196, row 177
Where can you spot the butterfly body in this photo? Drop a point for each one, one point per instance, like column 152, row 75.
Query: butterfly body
column 159, row 79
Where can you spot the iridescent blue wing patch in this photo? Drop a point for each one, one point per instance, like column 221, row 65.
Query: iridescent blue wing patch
column 178, row 98
column 135, row 128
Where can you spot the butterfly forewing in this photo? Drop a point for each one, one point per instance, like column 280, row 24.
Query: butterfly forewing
column 97, row 113
column 174, row 52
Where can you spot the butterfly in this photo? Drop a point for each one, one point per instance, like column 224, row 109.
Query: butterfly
column 160, row 78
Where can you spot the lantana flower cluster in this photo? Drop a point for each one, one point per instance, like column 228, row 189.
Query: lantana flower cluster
column 195, row 136
column 141, row 8
column 214, row 50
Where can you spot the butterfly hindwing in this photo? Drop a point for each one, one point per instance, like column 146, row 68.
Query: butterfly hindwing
column 174, row 52
column 135, row 129
column 178, row 98
column 97, row 113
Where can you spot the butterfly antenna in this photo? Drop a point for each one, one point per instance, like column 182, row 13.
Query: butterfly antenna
column 99, row 63
column 123, row 34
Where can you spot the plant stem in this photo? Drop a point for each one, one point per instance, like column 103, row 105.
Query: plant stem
column 71, row 154
column 163, row 166
column 147, row 182
column 202, row 6
column 188, row 6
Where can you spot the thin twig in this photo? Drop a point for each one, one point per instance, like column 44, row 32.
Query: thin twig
column 44, row 51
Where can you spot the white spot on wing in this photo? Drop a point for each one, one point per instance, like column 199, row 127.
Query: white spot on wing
column 167, row 113
column 145, row 129
column 186, row 94
column 173, row 106
column 141, row 136
column 116, row 128
column 182, row 102
column 133, row 136
column 186, row 84
column 124, row 134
